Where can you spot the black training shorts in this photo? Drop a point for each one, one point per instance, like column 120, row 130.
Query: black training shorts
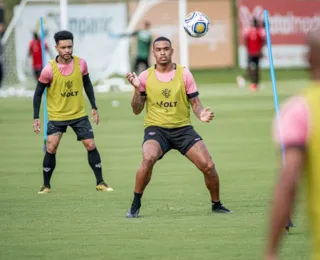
column 81, row 126
column 254, row 61
column 181, row 139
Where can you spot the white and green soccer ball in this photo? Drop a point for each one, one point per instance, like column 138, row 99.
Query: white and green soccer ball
column 196, row 24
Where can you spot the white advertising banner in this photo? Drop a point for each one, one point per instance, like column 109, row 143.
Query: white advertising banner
column 89, row 24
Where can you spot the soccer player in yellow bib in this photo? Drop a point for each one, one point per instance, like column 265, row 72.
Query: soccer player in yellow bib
column 65, row 77
column 300, row 131
column 167, row 89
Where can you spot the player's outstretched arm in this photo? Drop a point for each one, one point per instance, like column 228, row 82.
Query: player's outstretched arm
column 87, row 84
column 43, row 82
column 122, row 35
column 137, row 102
column 204, row 114
column 284, row 196
column 36, row 106
column 89, row 90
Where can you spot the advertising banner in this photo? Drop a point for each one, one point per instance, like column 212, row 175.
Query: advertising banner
column 290, row 21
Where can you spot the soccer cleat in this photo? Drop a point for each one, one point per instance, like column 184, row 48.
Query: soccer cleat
column 44, row 189
column 133, row 214
column 102, row 186
column 219, row 208
column 288, row 226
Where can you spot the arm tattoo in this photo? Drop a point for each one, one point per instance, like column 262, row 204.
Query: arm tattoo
column 137, row 102
column 196, row 106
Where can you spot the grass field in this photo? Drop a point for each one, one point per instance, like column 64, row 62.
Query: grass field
column 76, row 222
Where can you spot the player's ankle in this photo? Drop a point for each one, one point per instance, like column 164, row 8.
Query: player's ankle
column 138, row 195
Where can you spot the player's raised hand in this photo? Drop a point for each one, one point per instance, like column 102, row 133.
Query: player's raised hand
column 133, row 79
column 206, row 115
column 95, row 116
column 36, row 125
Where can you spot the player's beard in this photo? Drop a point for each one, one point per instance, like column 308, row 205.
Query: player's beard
column 66, row 57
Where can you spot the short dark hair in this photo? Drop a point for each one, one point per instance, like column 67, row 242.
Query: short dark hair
column 35, row 35
column 161, row 38
column 63, row 35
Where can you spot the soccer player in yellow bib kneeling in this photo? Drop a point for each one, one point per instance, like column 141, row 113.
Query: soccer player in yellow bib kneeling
column 65, row 77
column 168, row 89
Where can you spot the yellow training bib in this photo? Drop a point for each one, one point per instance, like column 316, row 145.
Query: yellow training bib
column 167, row 104
column 312, row 96
column 65, row 100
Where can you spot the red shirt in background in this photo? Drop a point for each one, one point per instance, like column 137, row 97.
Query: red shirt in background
column 36, row 54
column 255, row 39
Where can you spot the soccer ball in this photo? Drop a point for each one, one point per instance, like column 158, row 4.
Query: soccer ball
column 196, row 24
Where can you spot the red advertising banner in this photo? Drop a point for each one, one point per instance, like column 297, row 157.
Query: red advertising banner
column 290, row 21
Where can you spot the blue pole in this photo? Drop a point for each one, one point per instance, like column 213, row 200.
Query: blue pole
column 45, row 111
column 275, row 96
column 274, row 83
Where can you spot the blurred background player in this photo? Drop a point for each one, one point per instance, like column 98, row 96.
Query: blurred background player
column 254, row 39
column 168, row 90
column 35, row 52
column 144, row 40
column 300, row 131
column 65, row 77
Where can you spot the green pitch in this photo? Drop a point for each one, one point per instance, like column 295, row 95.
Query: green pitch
column 77, row 222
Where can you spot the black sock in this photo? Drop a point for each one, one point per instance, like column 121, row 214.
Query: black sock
column 95, row 164
column 216, row 202
column 49, row 163
column 136, row 203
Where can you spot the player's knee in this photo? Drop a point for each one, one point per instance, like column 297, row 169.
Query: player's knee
column 90, row 145
column 208, row 168
column 149, row 160
column 52, row 147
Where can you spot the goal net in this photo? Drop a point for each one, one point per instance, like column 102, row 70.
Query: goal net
column 108, row 58
column 19, row 77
